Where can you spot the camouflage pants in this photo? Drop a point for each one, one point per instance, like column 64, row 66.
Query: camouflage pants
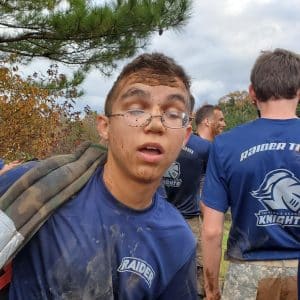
column 196, row 226
column 242, row 279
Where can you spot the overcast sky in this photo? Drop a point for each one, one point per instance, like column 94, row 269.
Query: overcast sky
column 218, row 46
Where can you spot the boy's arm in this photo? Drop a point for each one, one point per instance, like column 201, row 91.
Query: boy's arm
column 212, row 235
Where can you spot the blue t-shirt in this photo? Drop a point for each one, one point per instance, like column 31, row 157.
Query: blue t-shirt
column 183, row 179
column 255, row 170
column 94, row 247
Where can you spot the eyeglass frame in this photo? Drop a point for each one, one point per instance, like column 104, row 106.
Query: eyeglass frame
column 148, row 120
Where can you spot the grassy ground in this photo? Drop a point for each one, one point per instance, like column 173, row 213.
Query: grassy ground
column 224, row 264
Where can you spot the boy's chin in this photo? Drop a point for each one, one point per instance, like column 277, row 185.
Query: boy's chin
column 149, row 176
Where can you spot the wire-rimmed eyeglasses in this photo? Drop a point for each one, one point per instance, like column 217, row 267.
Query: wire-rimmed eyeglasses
column 140, row 118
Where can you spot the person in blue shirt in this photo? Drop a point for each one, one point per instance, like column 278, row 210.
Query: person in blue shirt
column 255, row 170
column 118, row 238
column 182, row 185
column 210, row 121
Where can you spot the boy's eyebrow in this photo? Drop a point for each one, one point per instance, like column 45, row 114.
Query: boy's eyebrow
column 178, row 97
column 135, row 92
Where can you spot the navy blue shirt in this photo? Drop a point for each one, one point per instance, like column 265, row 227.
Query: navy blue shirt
column 183, row 179
column 255, row 170
column 94, row 247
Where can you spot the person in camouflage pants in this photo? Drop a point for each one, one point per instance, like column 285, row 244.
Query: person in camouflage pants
column 261, row 281
column 254, row 169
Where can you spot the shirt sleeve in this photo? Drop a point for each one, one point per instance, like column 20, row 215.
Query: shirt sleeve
column 183, row 285
column 214, row 194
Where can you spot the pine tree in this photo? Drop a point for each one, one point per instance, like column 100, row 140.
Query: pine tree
column 85, row 33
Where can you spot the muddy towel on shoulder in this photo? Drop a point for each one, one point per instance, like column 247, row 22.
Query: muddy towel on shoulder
column 28, row 203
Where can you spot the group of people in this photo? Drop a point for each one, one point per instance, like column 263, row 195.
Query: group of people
column 254, row 170
column 184, row 179
column 118, row 237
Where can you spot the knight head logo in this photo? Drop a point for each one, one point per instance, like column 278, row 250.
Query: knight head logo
column 173, row 171
column 280, row 189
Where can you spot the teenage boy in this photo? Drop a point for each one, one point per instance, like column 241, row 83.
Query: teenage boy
column 118, row 238
column 255, row 170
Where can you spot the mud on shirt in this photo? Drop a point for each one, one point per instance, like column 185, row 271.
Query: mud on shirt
column 94, row 247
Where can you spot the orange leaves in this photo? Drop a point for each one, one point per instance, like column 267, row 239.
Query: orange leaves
column 31, row 122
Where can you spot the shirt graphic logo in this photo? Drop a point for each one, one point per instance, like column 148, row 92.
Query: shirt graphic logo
column 280, row 194
column 138, row 267
column 173, row 171
column 171, row 177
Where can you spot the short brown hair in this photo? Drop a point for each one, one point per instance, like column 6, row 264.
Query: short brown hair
column 205, row 111
column 276, row 75
column 156, row 65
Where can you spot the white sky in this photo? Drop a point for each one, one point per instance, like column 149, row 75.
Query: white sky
column 217, row 47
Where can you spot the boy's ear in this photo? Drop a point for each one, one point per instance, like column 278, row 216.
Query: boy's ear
column 103, row 127
column 206, row 122
column 252, row 95
column 188, row 133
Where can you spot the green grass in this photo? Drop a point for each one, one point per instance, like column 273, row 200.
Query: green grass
column 224, row 263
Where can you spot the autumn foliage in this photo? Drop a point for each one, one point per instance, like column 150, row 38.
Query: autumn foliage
column 33, row 118
column 237, row 108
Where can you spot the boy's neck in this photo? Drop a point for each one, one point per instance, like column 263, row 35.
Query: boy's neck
column 280, row 109
column 134, row 194
column 204, row 132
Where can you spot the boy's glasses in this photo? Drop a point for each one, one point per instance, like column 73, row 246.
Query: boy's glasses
column 140, row 118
